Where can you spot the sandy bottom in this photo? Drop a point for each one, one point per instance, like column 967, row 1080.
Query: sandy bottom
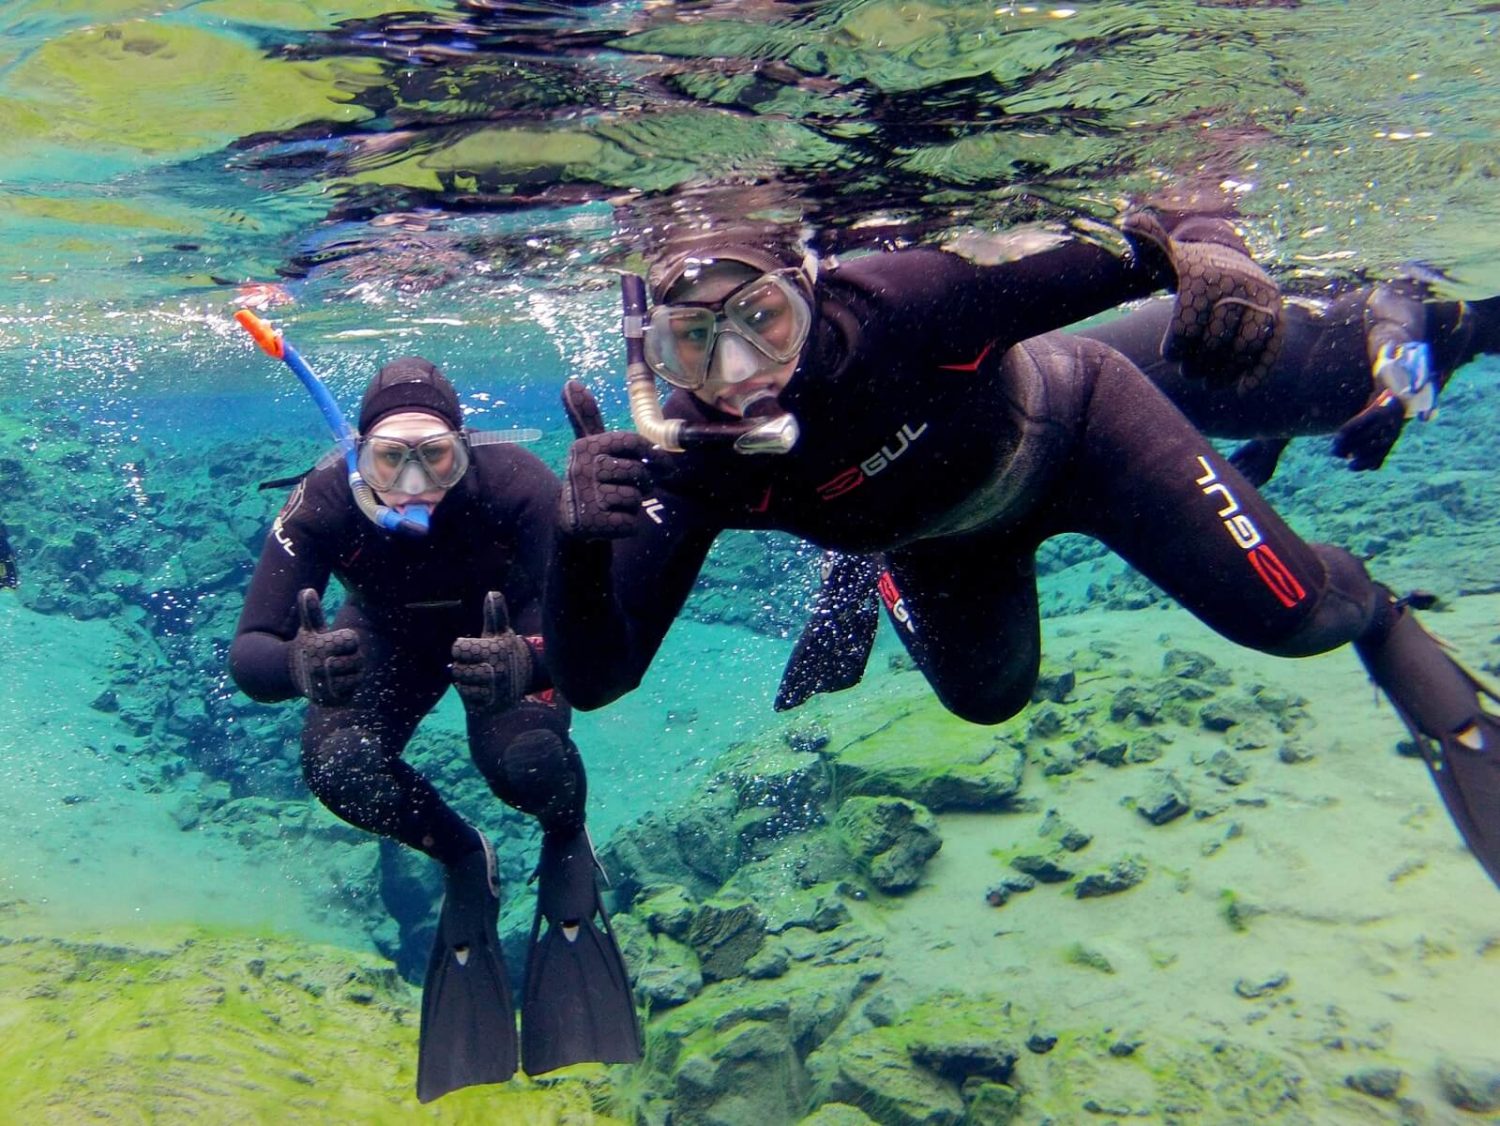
column 1386, row 930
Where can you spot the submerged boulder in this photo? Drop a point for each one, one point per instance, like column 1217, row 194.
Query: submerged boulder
column 891, row 839
column 930, row 757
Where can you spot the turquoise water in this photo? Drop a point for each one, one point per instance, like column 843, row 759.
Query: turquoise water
column 461, row 179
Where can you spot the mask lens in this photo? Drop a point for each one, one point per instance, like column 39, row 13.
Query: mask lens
column 772, row 315
column 444, row 458
column 441, row 460
column 380, row 461
column 677, row 344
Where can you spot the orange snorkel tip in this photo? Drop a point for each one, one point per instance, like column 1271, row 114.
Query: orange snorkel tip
column 262, row 333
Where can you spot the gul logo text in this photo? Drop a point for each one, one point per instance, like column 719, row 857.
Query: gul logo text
column 855, row 475
column 1268, row 565
column 894, row 603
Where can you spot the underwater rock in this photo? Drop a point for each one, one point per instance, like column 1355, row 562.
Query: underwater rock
column 799, row 884
column 891, row 839
column 1469, row 1086
column 789, row 787
column 1133, row 703
column 1164, row 800
column 1046, row 721
column 837, row 1114
column 1065, row 833
column 1058, row 761
column 1217, row 716
column 964, row 1054
column 809, row 737
column 1056, row 687
column 1292, row 753
column 1193, row 665
column 915, row 1067
column 1262, row 985
column 666, row 972
column 749, row 1073
column 849, row 944
column 692, row 844
column 1050, row 868
column 725, row 933
column 1227, row 768
column 771, row 960
column 933, row 758
column 1122, row 875
column 875, row 1069
column 667, row 909
column 806, row 1004
column 1377, row 1082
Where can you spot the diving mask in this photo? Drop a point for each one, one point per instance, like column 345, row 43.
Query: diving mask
column 759, row 327
column 390, row 464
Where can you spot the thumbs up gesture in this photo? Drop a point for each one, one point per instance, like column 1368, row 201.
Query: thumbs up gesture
column 606, row 477
column 492, row 671
column 326, row 664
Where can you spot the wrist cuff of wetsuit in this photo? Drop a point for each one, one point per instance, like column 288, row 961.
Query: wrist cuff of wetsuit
column 541, row 679
column 1204, row 228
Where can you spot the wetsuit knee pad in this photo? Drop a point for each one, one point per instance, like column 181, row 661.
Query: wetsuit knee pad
column 1347, row 605
column 987, row 704
column 541, row 773
column 339, row 765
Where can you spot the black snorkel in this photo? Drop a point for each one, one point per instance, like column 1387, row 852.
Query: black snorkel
column 414, row 521
column 776, row 435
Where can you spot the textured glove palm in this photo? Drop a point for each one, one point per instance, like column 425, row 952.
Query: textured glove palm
column 326, row 665
column 606, row 477
column 494, row 670
column 1224, row 324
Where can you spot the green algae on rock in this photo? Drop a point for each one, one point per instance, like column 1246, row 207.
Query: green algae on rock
column 177, row 1028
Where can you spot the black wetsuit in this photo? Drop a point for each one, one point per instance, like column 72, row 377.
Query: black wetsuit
column 1321, row 378
column 939, row 429
column 409, row 598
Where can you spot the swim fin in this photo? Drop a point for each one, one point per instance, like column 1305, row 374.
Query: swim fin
column 834, row 648
column 468, row 1022
column 1442, row 705
column 577, row 1004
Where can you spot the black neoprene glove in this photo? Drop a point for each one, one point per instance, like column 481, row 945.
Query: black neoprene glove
column 1224, row 325
column 326, row 664
column 1366, row 439
column 606, row 477
column 494, row 670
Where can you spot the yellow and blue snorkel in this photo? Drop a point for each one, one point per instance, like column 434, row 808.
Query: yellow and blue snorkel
column 416, row 519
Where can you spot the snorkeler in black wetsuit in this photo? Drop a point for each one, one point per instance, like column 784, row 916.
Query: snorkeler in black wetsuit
column 1359, row 366
column 937, row 428
column 1349, row 367
column 423, row 612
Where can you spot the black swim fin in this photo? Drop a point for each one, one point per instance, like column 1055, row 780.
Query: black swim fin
column 1442, row 705
column 468, row 1022
column 834, row 648
column 577, row 1005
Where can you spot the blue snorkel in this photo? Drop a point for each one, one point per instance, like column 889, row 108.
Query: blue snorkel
column 417, row 518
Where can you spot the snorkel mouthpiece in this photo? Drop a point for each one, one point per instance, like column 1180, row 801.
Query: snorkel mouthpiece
column 414, row 518
column 775, row 435
column 273, row 344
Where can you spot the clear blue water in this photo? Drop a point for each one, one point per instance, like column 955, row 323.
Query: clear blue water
column 461, row 179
